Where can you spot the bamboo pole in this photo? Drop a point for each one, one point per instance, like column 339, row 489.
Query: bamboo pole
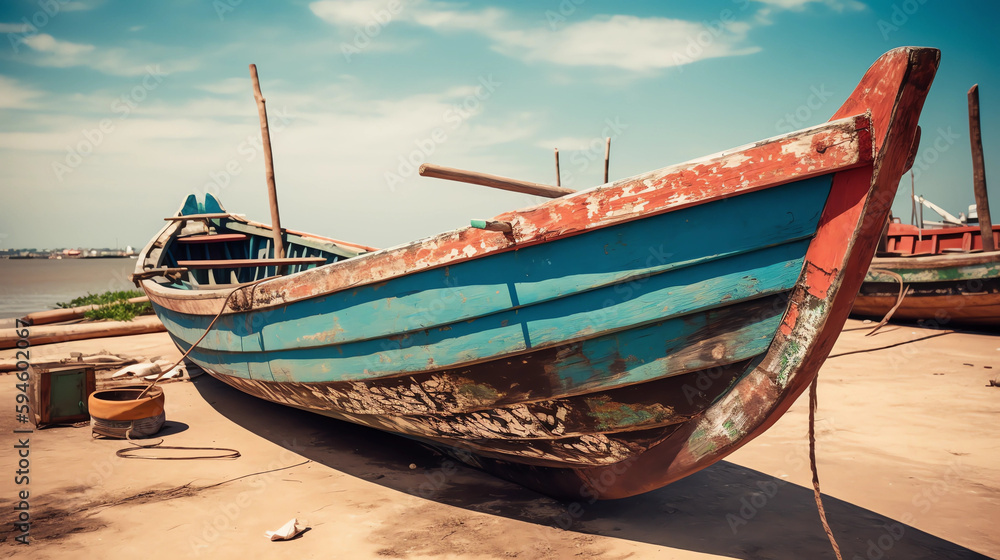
column 82, row 331
column 558, row 174
column 493, row 181
column 607, row 158
column 979, row 172
column 272, row 192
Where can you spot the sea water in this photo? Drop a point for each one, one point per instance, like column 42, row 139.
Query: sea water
column 28, row 285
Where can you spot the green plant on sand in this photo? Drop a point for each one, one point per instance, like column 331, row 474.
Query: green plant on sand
column 113, row 305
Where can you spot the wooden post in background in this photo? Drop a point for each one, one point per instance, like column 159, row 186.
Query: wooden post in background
column 979, row 172
column 607, row 158
column 272, row 193
column 558, row 175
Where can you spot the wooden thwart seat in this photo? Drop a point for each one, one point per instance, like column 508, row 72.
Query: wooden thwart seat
column 165, row 272
column 213, row 238
column 249, row 263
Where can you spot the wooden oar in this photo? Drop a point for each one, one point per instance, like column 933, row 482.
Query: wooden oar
column 493, row 181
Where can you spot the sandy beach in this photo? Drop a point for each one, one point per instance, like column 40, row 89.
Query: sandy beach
column 907, row 454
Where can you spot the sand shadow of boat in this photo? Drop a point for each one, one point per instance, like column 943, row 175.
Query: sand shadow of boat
column 725, row 509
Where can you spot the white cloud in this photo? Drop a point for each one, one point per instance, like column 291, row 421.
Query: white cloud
column 333, row 151
column 52, row 52
column 15, row 96
column 440, row 18
column 61, row 50
column 619, row 41
column 351, row 12
column 628, row 42
column 799, row 5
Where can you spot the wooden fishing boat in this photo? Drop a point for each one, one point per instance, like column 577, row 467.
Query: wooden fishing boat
column 599, row 345
column 947, row 276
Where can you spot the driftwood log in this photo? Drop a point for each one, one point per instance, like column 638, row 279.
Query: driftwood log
column 81, row 331
column 67, row 314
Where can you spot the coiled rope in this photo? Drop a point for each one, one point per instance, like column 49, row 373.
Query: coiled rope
column 227, row 453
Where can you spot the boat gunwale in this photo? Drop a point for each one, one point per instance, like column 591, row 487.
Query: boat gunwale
column 938, row 260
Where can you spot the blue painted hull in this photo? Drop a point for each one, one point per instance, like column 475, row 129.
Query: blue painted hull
column 677, row 295
column 680, row 264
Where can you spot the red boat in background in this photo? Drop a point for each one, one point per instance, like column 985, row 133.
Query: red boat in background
column 948, row 277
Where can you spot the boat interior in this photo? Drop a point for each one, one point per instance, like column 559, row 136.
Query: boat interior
column 209, row 248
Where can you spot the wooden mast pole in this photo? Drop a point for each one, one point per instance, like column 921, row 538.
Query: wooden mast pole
column 979, row 172
column 272, row 193
column 607, row 158
column 558, row 174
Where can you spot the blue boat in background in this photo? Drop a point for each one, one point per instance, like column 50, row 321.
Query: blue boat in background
column 599, row 345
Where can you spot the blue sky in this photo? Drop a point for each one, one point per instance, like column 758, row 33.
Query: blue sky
column 111, row 112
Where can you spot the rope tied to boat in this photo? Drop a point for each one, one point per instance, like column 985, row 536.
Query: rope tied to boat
column 813, row 403
column 227, row 453
column 225, row 304
column 899, row 299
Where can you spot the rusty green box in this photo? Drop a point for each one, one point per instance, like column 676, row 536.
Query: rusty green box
column 59, row 395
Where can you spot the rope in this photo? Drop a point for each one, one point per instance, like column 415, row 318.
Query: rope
column 899, row 299
column 204, row 334
column 812, row 465
column 127, row 452
column 863, row 350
